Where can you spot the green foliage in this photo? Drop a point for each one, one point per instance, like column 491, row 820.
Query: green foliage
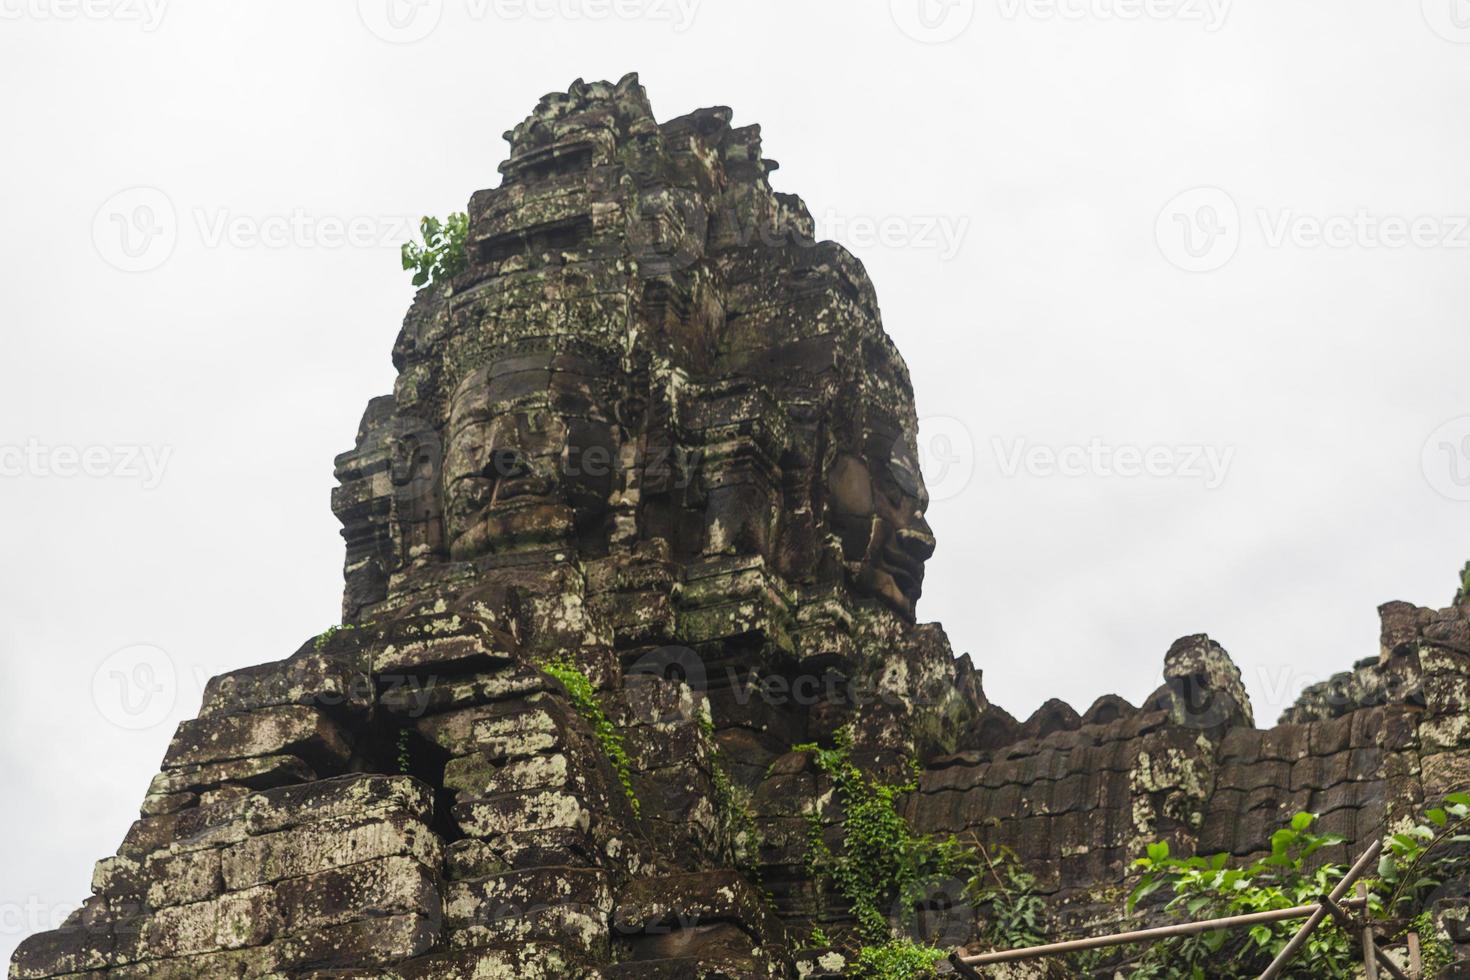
column 1464, row 591
column 1007, row 891
column 405, row 754
column 442, row 254
column 1420, row 859
column 326, row 635
column 818, row 939
column 1414, row 863
column 1435, row 952
column 1208, row 888
column 882, row 864
column 897, row 959
column 589, row 706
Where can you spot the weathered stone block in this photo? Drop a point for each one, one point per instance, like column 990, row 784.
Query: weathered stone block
column 388, row 886
column 232, row 921
column 318, row 847
column 343, row 798
column 177, row 879
column 540, row 810
column 287, row 730
column 358, row 946
column 260, row 773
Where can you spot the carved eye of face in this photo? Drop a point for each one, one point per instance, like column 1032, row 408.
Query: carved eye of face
column 905, row 472
column 407, row 456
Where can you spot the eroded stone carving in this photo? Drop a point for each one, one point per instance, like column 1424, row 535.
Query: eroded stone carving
column 656, row 433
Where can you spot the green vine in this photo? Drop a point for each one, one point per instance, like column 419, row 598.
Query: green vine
column 443, row 254
column 881, row 864
column 405, row 753
column 584, row 698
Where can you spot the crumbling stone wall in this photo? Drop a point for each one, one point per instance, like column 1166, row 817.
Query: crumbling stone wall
column 655, row 434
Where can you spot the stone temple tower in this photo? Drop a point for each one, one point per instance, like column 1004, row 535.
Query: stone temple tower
column 642, row 512
column 654, row 433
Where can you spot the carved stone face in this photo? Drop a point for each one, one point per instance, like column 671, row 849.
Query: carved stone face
column 527, row 464
column 877, row 508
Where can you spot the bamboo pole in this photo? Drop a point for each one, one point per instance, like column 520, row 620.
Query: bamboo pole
column 1294, row 946
column 1146, row 935
column 1370, row 948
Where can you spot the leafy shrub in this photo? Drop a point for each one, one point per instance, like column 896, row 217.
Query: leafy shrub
column 442, row 254
column 897, row 959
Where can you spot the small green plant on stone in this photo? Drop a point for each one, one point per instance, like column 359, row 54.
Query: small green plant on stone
column 882, row 864
column 442, row 254
column 897, row 959
column 584, row 698
column 1464, row 591
column 405, row 753
column 326, row 635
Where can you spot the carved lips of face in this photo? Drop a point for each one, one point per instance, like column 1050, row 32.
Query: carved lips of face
column 877, row 510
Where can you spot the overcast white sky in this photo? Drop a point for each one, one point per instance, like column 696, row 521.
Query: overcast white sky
column 1231, row 231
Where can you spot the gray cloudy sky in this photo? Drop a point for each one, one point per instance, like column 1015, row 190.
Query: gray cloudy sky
column 1182, row 285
